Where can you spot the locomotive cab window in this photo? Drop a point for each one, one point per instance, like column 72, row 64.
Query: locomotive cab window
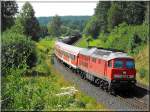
column 130, row 64
column 109, row 63
column 118, row 64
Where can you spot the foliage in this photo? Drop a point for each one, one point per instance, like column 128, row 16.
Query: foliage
column 29, row 22
column 92, row 27
column 127, row 38
column 130, row 38
column 134, row 42
column 101, row 11
column 142, row 65
column 114, row 16
column 134, row 10
column 8, row 11
column 142, row 73
column 44, row 48
column 43, row 31
column 16, row 50
column 147, row 12
column 40, row 92
column 71, row 22
column 110, row 14
column 54, row 27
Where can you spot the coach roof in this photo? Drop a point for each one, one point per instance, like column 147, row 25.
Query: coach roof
column 69, row 48
column 103, row 54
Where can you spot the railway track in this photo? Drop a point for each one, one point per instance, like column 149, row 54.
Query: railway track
column 132, row 101
column 135, row 103
column 143, row 86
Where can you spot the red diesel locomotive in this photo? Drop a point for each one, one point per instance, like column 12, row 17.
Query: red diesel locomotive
column 106, row 68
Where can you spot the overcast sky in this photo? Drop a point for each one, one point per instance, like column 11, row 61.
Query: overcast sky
column 51, row 8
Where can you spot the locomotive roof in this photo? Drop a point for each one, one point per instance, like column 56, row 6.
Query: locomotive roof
column 72, row 49
column 103, row 54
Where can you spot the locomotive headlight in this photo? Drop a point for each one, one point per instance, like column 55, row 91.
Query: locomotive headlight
column 131, row 76
column 133, row 81
column 117, row 76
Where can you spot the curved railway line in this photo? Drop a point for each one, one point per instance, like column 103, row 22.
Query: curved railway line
column 127, row 99
column 137, row 100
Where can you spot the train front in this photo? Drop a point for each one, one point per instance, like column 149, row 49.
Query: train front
column 122, row 72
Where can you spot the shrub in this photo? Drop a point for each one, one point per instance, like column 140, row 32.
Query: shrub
column 142, row 73
column 17, row 49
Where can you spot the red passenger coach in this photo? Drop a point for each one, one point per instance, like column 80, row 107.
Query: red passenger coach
column 67, row 53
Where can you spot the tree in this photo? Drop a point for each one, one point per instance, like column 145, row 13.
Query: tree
column 92, row 27
column 43, row 31
column 29, row 21
column 8, row 11
column 134, row 42
column 115, row 16
column 134, row 12
column 147, row 16
column 101, row 14
column 54, row 27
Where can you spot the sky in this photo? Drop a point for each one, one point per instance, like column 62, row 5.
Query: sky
column 61, row 7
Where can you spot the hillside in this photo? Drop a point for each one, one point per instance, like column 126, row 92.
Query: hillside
column 45, row 20
column 142, row 65
column 130, row 38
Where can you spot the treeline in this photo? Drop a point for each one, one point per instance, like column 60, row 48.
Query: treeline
column 109, row 14
column 63, row 25
column 75, row 21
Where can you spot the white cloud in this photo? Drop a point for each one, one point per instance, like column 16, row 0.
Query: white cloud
column 47, row 8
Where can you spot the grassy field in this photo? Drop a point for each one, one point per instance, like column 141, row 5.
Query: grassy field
column 55, row 83
column 75, row 101
column 42, row 87
column 142, row 65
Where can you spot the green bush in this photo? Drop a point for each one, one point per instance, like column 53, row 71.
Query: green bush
column 17, row 49
column 128, row 37
column 142, row 73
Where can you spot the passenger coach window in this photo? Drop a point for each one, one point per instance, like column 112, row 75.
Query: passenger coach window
column 130, row 64
column 118, row 64
column 94, row 60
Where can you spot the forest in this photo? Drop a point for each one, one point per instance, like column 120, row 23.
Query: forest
column 29, row 80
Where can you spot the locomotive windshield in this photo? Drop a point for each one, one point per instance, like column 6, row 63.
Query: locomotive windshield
column 118, row 64
column 124, row 64
column 130, row 64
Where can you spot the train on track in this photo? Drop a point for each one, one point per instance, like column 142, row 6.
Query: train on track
column 108, row 69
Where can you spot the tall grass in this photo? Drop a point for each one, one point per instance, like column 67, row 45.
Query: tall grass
column 24, row 91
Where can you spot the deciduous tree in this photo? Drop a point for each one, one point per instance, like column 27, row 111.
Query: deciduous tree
column 54, row 26
column 115, row 16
